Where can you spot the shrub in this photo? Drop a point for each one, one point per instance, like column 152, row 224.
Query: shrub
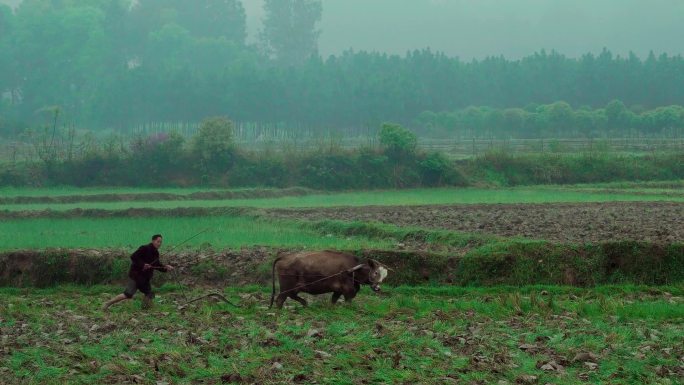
column 437, row 170
column 157, row 158
column 398, row 142
column 213, row 146
column 260, row 171
column 334, row 171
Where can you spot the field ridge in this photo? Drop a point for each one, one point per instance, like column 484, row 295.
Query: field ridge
column 160, row 196
column 509, row 262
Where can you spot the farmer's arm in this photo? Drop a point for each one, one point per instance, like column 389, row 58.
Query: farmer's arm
column 159, row 267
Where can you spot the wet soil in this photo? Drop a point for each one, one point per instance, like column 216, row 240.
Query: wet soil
column 655, row 222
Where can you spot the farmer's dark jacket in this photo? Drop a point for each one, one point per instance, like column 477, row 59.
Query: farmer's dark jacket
column 145, row 254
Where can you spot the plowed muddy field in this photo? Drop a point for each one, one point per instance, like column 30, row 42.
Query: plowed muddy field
column 657, row 222
column 421, row 336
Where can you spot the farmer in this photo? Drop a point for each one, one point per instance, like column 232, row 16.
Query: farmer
column 145, row 261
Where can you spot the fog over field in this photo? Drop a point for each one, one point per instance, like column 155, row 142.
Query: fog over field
column 341, row 192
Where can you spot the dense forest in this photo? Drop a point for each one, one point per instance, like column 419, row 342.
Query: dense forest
column 116, row 64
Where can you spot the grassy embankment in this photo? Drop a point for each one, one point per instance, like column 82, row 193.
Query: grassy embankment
column 465, row 259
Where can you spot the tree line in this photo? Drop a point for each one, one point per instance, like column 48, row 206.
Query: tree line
column 118, row 63
column 555, row 120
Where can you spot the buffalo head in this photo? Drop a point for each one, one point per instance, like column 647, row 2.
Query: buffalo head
column 372, row 273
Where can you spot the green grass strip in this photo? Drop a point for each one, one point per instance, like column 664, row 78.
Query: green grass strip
column 224, row 232
column 374, row 198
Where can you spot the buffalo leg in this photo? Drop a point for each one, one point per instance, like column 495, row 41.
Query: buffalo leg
column 349, row 295
column 299, row 299
column 280, row 300
column 336, row 295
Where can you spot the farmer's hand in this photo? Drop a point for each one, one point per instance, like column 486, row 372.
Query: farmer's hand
column 168, row 267
column 147, row 266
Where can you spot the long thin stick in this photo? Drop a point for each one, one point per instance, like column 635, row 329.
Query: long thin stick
column 188, row 240
column 185, row 241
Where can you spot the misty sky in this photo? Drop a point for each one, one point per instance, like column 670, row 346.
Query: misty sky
column 478, row 28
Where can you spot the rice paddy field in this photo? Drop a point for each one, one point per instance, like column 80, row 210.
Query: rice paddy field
column 380, row 198
column 429, row 329
column 223, row 232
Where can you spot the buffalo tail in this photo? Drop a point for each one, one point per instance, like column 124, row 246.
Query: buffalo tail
column 273, row 281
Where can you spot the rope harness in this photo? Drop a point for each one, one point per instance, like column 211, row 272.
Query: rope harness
column 210, row 295
column 351, row 271
column 348, row 271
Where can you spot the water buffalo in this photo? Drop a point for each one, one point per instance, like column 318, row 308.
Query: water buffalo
column 318, row 272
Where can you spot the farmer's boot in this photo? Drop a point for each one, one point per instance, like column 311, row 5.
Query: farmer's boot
column 146, row 303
